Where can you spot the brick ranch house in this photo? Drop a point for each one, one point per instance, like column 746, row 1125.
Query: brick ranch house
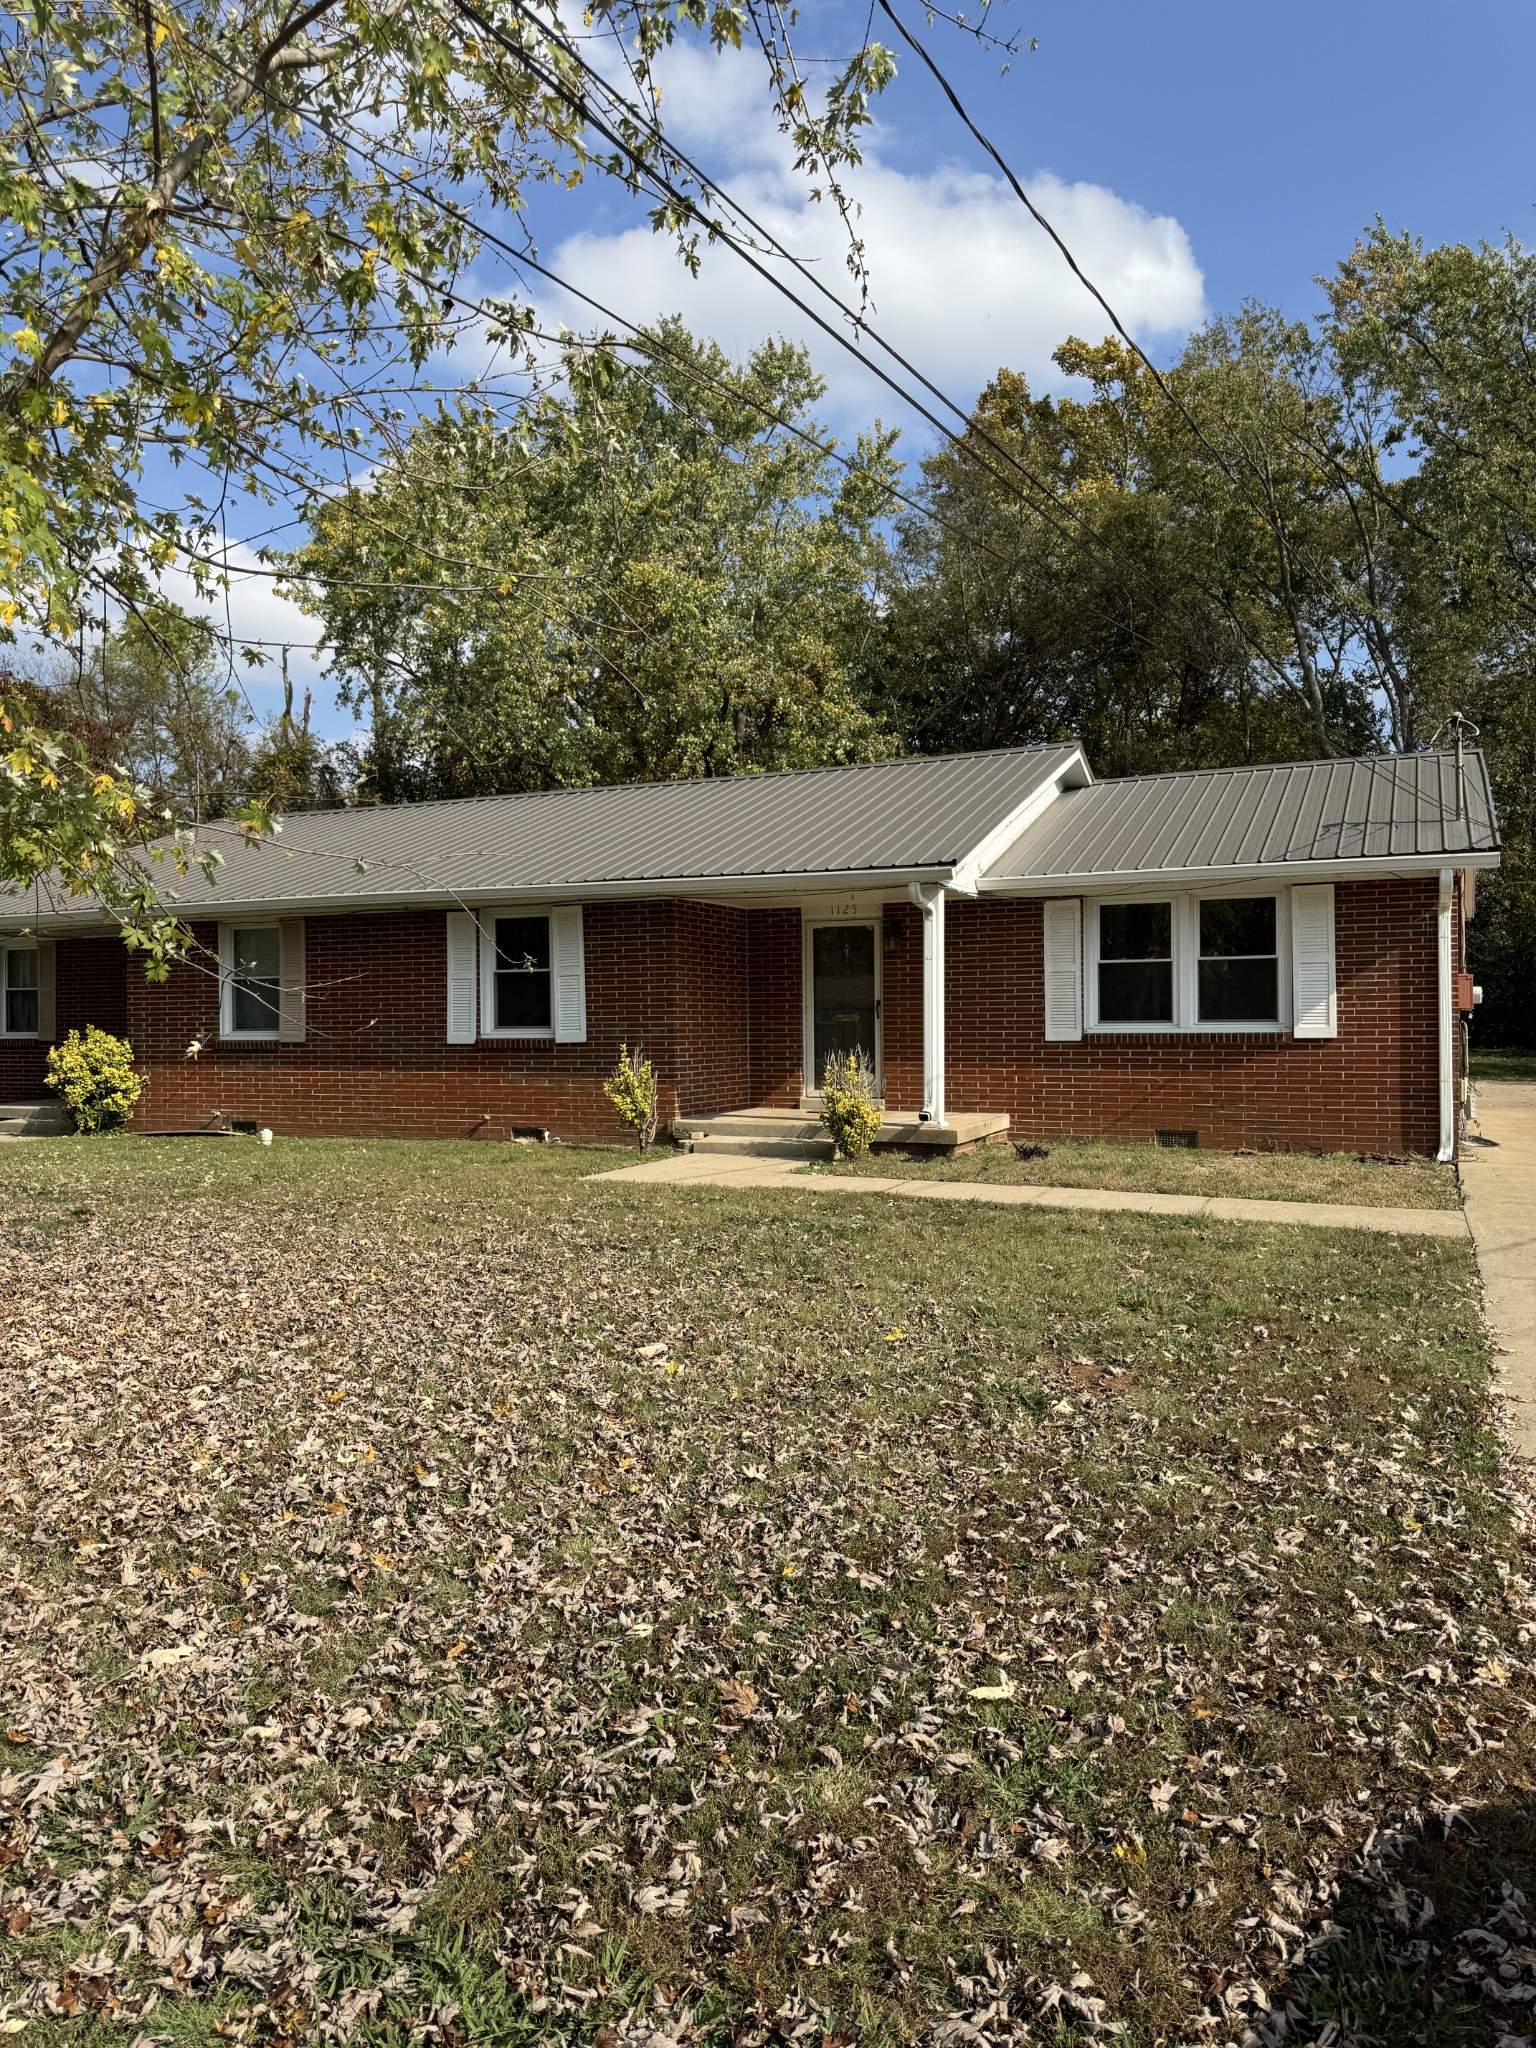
column 1268, row 956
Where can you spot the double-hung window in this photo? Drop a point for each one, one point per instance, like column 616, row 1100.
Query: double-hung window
column 1187, row 962
column 519, row 994
column 1238, row 978
column 21, row 992
column 252, row 980
column 1136, row 963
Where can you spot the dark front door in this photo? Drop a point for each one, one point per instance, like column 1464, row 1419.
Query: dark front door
column 843, row 997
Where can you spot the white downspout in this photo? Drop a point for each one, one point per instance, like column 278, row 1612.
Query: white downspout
column 929, row 897
column 1447, row 1004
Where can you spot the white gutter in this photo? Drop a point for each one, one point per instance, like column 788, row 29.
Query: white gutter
column 1446, row 993
column 1147, row 881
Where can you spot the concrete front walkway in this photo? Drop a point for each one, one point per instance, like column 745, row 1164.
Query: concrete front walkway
column 1498, row 1171
column 688, row 1169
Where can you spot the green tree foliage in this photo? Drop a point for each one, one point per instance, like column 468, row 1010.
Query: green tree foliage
column 152, row 702
column 1443, row 340
column 1300, row 541
column 1173, row 583
column 674, row 578
column 236, row 233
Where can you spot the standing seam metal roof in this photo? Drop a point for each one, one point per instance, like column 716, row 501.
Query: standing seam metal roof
column 916, row 813
column 1382, row 808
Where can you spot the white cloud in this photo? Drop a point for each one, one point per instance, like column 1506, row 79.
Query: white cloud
column 962, row 280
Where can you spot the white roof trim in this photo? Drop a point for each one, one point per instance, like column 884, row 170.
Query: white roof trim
column 1075, row 774
column 1403, row 867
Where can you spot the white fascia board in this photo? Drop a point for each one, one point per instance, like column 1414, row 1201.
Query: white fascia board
column 1146, row 881
column 760, row 889
column 970, row 874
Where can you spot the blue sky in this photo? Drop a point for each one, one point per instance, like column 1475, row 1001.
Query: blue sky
column 1194, row 156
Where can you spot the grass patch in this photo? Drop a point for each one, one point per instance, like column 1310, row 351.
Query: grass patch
column 1494, row 1065
column 1409, row 1183
column 450, row 1598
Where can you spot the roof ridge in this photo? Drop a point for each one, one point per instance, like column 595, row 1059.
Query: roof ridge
column 683, row 781
column 1395, row 756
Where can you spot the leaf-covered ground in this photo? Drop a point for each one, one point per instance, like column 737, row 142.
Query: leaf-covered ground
column 1263, row 1176
column 443, row 1600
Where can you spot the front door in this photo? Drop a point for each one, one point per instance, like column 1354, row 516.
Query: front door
column 845, row 996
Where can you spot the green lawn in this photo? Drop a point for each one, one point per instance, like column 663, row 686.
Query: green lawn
column 453, row 1602
column 1266, row 1176
column 1503, row 1066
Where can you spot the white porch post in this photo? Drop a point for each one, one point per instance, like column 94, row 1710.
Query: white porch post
column 1446, row 1007
column 929, row 897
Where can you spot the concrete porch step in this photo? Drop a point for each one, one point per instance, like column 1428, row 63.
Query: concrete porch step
column 32, row 1120
column 791, row 1134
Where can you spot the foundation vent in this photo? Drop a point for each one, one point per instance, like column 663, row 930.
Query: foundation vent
column 1178, row 1141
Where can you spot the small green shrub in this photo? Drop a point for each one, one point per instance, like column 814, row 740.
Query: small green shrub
column 631, row 1088
column 849, row 1109
column 92, row 1075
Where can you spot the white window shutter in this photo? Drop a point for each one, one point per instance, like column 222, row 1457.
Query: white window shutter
column 463, row 981
column 1313, row 970
column 568, row 957
column 47, row 990
column 292, row 992
column 1063, row 968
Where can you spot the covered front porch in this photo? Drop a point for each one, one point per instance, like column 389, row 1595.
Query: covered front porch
column 828, row 976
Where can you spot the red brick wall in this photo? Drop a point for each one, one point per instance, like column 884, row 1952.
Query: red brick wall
column 670, row 977
column 1374, row 1088
column 92, row 978
column 775, row 963
column 714, row 996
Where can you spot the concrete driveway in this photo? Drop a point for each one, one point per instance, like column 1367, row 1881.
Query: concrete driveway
column 1498, row 1172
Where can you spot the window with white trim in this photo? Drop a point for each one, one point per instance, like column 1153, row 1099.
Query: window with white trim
column 252, row 963
column 20, row 993
column 1191, row 961
column 1238, row 974
column 1135, row 975
column 517, row 994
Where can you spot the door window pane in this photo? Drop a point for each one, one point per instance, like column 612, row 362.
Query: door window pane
column 522, row 976
column 843, row 992
column 255, row 972
column 1239, row 961
column 1136, row 963
column 21, row 989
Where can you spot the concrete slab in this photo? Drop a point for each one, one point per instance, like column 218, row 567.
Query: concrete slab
column 689, row 1169
column 1498, row 1172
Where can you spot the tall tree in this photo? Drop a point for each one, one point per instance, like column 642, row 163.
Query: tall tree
column 239, row 232
column 1447, row 337
column 151, row 701
column 668, row 574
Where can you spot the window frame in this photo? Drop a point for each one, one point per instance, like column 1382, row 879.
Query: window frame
column 534, row 1034
column 227, row 1028
column 7, row 948
column 1186, row 964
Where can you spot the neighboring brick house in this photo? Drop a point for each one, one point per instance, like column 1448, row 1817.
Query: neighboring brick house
column 1266, row 957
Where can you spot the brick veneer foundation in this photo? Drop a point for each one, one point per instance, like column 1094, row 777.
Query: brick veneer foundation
column 713, row 994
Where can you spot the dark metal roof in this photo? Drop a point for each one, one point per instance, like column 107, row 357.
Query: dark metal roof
column 883, row 817
column 1384, row 808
